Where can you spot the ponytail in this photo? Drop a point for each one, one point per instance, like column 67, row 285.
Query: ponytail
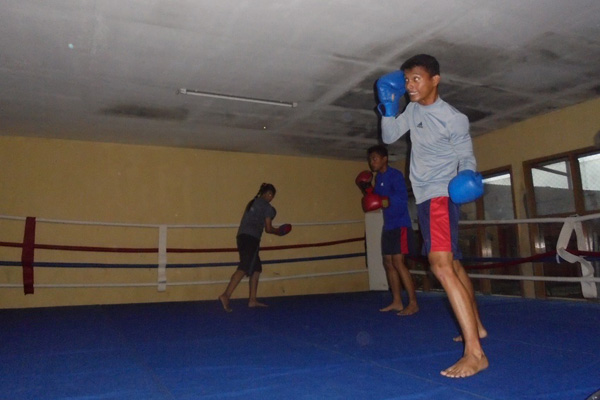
column 264, row 187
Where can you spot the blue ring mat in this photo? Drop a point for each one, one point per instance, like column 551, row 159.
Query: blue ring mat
column 331, row 346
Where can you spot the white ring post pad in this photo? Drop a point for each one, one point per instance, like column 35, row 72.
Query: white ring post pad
column 588, row 289
column 162, row 258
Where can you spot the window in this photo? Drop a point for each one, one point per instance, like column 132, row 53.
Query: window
column 589, row 166
column 500, row 240
column 564, row 184
column 498, row 197
column 553, row 188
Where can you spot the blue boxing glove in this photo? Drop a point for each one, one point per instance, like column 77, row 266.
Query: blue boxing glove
column 465, row 187
column 390, row 89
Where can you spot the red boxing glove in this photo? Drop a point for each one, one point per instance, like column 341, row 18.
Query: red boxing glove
column 284, row 229
column 363, row 181
column 372, row 202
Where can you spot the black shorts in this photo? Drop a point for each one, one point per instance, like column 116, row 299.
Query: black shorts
column 248, row 247
column 397, row 241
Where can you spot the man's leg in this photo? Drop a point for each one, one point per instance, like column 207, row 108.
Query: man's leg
column 393, row 279
column 466, row 281
column 253, row 301
column 407, row 281
column 473, row 359
column 236, row 278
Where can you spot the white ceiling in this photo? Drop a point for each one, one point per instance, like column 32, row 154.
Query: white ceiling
column 110, row 71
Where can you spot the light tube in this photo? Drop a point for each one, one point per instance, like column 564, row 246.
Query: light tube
column 237, row 98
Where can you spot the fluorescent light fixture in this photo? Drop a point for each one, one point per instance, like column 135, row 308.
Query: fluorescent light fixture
column 237, row 98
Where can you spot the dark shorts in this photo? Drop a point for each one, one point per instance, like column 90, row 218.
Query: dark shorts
column 248, row 247
column 438, row 221
column 396, row 241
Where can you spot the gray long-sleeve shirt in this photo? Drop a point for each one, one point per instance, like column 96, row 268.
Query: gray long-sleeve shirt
column 441, row 145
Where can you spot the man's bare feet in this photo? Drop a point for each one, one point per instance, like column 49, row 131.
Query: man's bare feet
column 256, row 303
column 482, row 334
column 468, row 365
column 393, row 307
column 225, row 303
column 411, row 309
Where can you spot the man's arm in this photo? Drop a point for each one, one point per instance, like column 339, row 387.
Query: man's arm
column 392, row 128
column 399, row 195
column 461, row 140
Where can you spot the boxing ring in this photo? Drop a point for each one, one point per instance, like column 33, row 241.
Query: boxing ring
column 317, row 346
column 158, row 266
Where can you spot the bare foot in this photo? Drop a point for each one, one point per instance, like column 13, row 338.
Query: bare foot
column 256, row 303
column 393, row 307
column 411, row 309
column 225, row 303
column 482, row 334
column 466, row 366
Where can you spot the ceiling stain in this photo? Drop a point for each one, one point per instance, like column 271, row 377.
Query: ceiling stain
column 475, row 115
column 145, row 112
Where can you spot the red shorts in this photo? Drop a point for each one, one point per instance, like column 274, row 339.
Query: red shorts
column 438, row 221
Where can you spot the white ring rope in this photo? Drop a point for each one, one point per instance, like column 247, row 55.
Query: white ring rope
column 302, row 276
column 186, row 283
column 181, row 226
column 526, row 277
column 538, row 278
column 530, row 220
column 473, row 222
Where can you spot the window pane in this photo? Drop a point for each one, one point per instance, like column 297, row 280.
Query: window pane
column 502, row 241
column 590, row 180
column 497, row 198
column 468, row 211
column 553, row 188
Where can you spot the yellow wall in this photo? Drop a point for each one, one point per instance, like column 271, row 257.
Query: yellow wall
column 84, row 181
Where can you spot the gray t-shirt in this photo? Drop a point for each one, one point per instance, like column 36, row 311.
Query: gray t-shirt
column 441, row 145
column 253, row 221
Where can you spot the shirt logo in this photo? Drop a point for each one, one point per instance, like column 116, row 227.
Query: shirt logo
column 420, row 125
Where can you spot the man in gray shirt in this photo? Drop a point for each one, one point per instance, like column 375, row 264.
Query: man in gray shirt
column 441, row 147
column 258, row 216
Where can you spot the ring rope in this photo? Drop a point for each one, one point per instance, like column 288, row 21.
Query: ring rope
column 184, row 283
column 575, row 218
column 174, row 250
column 508, row 262
column 170, row 226
column 192, row 265
column 503, row 262
column 524, row 277
column 303, row 276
